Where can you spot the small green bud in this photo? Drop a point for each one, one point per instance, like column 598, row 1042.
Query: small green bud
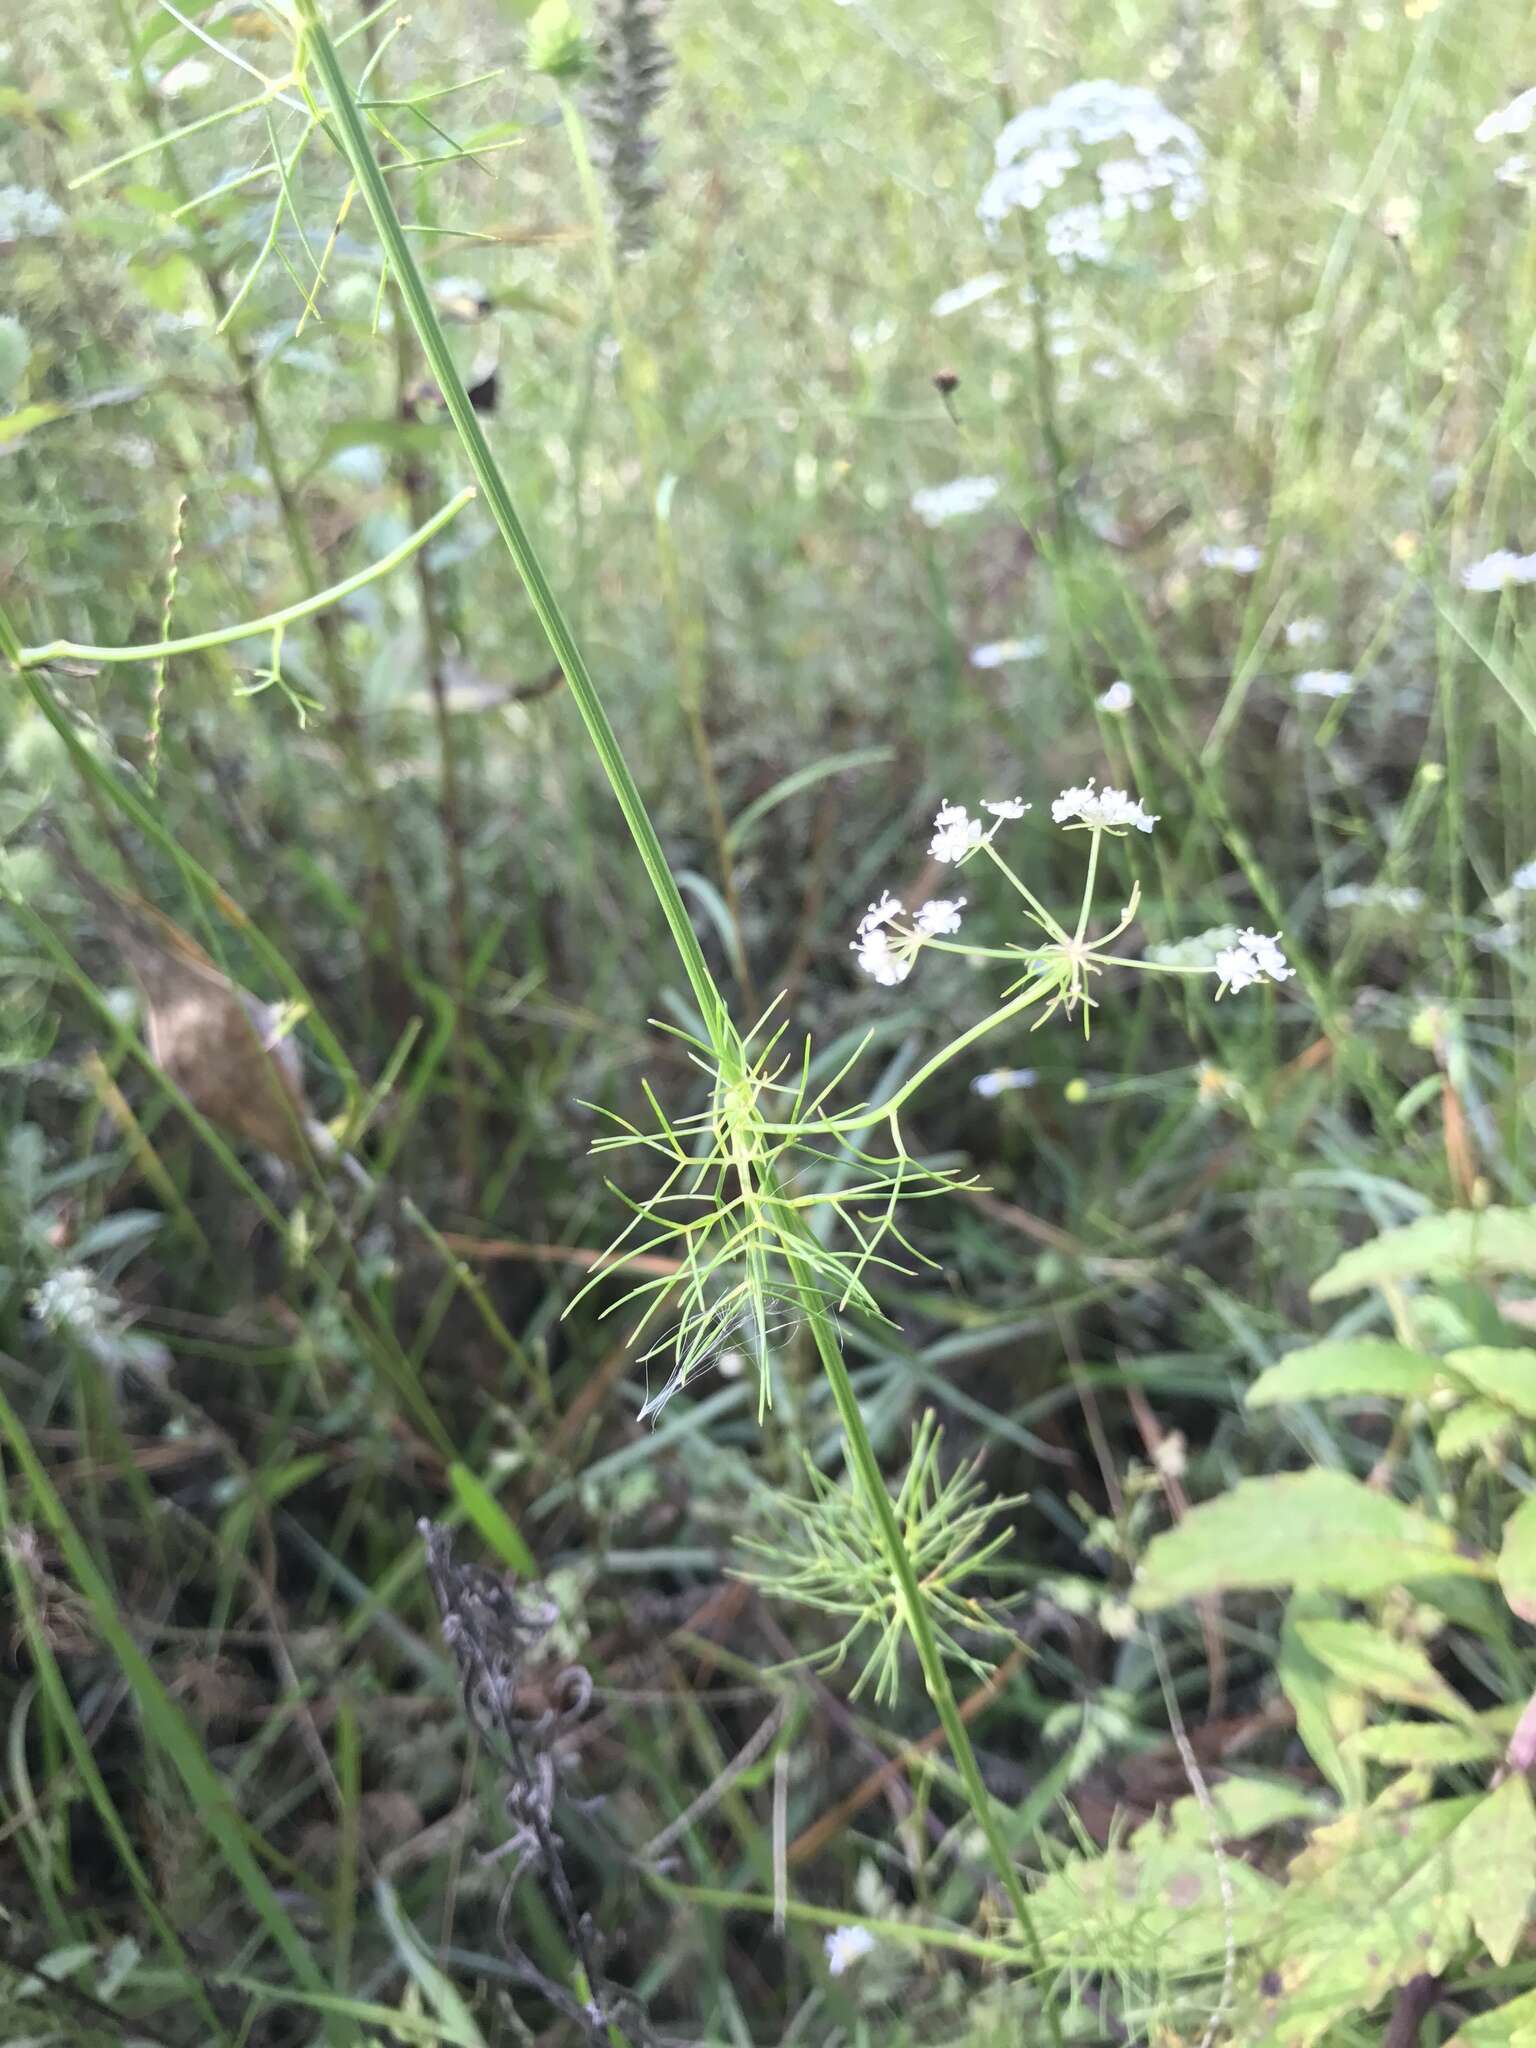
column 556, row 45
column 1076, row 1091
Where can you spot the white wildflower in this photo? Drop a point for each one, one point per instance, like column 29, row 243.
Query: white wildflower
column 1039, row 150
column 956, row 834
column 956, row 500
column 940, row 917
column 1007, row 807
column 190, row 75
column 1242, row 561
column 1516, row 169
column 1117, row 699
column 994, row 653
column 1111, row 810
column 1253, row 959
column 971, row 293
column 845, row 1946
column 1523, row 880
column 71, row 1299
column 1515, row 119
column 1306, row 633
column 888, row 963
column 1001, row 1079
column 1323, row 682
column 1494, row 571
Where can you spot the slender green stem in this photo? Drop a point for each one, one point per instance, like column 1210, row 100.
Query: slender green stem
column 365, row 169
column 249, row 629
column 797, row 1248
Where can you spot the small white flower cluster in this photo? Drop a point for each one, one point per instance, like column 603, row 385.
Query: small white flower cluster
column 1039, row 149
column 1254, row 958
column 1306, row 633
column 1516, row 169
column 846, row 1946
column 24, row 212
column 1517, row 118
column 956, row 834
column 1323, row 682
column 1496, row 571
column 71, row 1299
column 940, row 503
column 887, row 953
column 971, row 293
column 1108, row 810
column 1117, row 699
column 1243, row 560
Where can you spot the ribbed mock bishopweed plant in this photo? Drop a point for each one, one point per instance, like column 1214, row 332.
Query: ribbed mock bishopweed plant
column 772, row 1195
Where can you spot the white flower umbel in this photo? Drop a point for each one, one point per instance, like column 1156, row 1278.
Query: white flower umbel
column 1117, row 142
column 1323, row 682
column 1105, row 810
column 1253, row 959
column 1117, row 699
column 940, row 503
column 1496, row 571
column 956, row 834
column 1005, row 807
column 880, row 953
column 845, row 1946
column 941, row 917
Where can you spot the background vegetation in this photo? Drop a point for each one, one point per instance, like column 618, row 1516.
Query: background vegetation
column 700, row 270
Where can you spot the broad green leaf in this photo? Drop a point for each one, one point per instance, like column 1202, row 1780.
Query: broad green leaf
column 1357, row 1365
column 1435, row 1248
column 1424, row 1745
column 1313, row 1530
column 1517, row 1560
column 1155, row 1904
column 1328, row 1713
column 1493, row 1860
column 1474, row 1426
column 1370, row 1902
column 1504, row 1375
column 169, row 283
column 1368, row 1658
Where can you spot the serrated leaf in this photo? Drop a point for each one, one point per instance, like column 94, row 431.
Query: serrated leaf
column 1435, row 1248
column 1370, row 1902
column 1517, row 1560
column 1424, row 1745
column 1319, row 1531
column 1474, row 1426
column 1493, row 1857
column 1505, row 1375
column 1356, row 1365
column 1327, row 1712
column 1367, row 1657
